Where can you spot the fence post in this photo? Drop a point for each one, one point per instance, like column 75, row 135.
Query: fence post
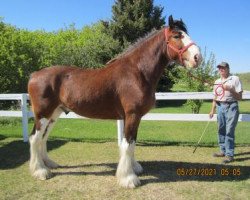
column 120, row 130
column 24, row 117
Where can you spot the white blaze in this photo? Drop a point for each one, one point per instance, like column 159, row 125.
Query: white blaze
column 192, row 50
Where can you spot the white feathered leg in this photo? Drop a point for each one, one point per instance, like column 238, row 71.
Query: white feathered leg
column 125, row 171
column 137, row 167
column 48, row 162
column 37, row 166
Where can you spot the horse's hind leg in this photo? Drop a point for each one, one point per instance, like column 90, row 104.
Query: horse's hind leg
column 39, row 160
column 47, row 161
column 37, row 166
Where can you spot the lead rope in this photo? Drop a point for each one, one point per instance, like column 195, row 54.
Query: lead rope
column 201, row 136
column 219, row 90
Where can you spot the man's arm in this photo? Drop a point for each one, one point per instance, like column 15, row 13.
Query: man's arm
column 236, row 95
column 211, row 114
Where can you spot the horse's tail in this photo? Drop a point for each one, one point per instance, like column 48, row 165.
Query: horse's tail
column 34, row 126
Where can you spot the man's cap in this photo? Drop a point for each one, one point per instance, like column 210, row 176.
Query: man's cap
column 223, row 64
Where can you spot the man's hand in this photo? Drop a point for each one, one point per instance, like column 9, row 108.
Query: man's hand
column 236, row 95
column 211, row 114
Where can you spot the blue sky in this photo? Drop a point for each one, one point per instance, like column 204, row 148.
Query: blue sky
column 220, row 26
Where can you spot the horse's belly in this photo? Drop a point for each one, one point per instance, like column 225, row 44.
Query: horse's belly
column 101, row 114
column 97, row 110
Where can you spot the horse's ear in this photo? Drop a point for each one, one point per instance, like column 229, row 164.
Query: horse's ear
column 171, row 21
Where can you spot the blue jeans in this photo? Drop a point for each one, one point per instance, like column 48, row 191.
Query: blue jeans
column 227, row 118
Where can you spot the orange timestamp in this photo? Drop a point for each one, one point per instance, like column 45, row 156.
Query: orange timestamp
column 208, row 171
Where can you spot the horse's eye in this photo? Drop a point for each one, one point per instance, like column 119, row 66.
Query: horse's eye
column 176, row 37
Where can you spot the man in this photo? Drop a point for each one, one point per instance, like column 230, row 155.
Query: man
column 227, row 92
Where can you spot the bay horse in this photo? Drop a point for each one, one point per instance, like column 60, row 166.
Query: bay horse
column 123, row 89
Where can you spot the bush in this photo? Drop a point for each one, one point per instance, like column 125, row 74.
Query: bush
column 23, row 52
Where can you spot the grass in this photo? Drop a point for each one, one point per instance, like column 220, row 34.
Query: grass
column 161, row 132
column 168, row 132
column 88, row 172
column 88, row 153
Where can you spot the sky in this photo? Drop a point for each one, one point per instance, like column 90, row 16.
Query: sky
column 222, row 27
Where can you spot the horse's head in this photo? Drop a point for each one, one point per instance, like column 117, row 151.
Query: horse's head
column 180, row 47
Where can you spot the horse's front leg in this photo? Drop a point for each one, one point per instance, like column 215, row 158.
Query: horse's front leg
column 128, row 167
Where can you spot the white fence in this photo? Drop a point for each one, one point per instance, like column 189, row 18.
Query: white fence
column 25, row 113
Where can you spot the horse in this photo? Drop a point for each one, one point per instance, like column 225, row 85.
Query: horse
column 123, row 89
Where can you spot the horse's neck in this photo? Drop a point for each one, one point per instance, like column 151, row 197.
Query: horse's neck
column 152, row 60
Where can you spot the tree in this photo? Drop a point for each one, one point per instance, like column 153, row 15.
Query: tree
column 168, row 78
column 199, row 80
column 90, row 47
column 23, row 52
column 133, row 19
column 20, row 53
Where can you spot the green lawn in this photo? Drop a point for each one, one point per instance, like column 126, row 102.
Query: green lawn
column 88, row 172
column 88, row 153
column 168, row 132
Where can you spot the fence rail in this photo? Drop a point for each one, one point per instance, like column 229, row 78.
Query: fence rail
column 25, row 113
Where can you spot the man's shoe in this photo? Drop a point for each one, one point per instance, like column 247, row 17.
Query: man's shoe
column 228, row 159
column 218, row 154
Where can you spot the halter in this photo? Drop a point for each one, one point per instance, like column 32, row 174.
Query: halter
column 178, row 51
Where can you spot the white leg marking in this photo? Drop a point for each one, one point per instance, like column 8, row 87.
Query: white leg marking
column 37, row 166
column 137, row 167
column 48, row 162
column 125, row 170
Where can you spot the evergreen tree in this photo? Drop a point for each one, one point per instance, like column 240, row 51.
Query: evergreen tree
column 132, row 19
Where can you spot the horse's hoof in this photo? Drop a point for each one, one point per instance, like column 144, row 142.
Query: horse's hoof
column 130, row 181
column 137, row 167
column 51, row 164
column 42, row 174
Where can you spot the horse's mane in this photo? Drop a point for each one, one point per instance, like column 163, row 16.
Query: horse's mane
column 139, row 42
column 177, row 25
column 135, row 45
